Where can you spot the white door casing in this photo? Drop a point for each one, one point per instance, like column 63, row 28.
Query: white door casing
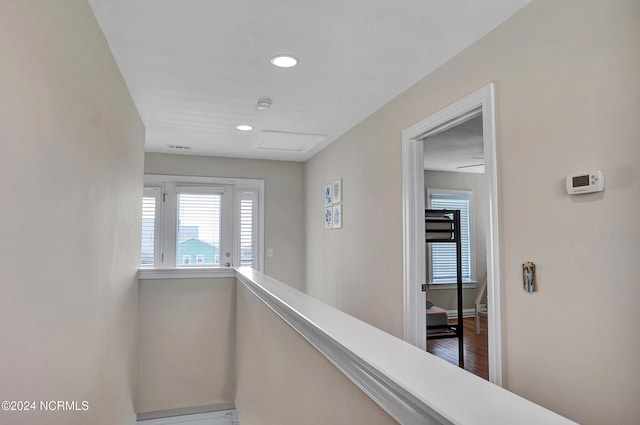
column 414, row 264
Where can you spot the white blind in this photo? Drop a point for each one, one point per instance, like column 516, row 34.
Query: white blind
column 246, row 232
column 248, row 228
column 147, row 257
column 443, row 255
column 198, row 229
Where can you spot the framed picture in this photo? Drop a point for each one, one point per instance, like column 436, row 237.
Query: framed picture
column 337, row 191
column 328, row 198
column 337, row 216
column 328, row 218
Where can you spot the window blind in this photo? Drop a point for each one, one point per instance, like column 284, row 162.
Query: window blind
column 147, row 257
column 198, row 229
column 443, row 255
column 248, row 228
column 246, row 232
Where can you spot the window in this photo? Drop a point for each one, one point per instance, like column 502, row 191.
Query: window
column 198, row 228
column 150, row 225
column 191, row 222
column 247, row 236
column 442, row 256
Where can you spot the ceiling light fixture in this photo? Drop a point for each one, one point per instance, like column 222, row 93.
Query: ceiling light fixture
column 284, row 61
column 244, row 127
column 263, row 103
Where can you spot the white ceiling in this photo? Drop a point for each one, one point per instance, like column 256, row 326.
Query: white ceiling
column 458, row 149
column 195, row 68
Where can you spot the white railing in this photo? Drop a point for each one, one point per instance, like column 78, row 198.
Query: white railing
column 411, row 385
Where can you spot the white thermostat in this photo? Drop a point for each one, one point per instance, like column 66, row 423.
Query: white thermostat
column 585, row 182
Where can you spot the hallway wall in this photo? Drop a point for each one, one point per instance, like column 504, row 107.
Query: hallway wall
column 567, row 99
column 282, row 377
column 71, row 176
column 186, row 343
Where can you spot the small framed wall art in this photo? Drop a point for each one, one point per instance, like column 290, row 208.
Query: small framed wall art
column 333, row 205
column 328, row 218
column 336, row 188
column 328, row 195
column 337, row 216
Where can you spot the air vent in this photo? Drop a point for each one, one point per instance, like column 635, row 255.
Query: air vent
column 284, row 141
column 179, row 147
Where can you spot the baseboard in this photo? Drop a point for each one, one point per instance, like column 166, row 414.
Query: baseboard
column 185, row 411
column 467, row 312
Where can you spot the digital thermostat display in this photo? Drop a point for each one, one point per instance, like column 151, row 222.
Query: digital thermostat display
column 581, row 181
column 585, row 182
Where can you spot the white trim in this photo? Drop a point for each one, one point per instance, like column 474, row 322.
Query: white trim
column 159, row 179
column 460, row 119
column 494, row 304
column 412, row 386
column 414, row 274
column 228, row 417
column 413, row 223
column 186, row 273
column 191, row 410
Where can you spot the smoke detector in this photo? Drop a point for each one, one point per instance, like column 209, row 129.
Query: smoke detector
column 263, row 103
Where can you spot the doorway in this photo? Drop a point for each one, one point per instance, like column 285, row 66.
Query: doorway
column 479, row 103
column 455, row 180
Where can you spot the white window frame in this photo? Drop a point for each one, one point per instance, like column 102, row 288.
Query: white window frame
column 166, row 224
column 472, row 266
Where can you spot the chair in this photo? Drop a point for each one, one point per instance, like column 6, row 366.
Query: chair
column 478, row 307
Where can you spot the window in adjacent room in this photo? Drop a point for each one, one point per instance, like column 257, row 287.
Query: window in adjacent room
column 191, row 222
column 442, row 256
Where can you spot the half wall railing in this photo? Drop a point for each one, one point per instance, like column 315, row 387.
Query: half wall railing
column 411, row 386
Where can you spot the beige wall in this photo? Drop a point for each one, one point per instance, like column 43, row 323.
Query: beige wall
column 358, row 268
column 284, row 203
column 447, row 298
column 71, row 176
column 186, row 343
column 283, row 379
column 567, row 99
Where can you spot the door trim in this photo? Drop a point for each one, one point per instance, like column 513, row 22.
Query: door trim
column 413, row 201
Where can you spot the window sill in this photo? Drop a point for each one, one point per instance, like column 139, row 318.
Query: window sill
column 190, row 273
column 465, row 285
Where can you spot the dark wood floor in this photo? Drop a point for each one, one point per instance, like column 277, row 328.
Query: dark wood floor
column 475, row 348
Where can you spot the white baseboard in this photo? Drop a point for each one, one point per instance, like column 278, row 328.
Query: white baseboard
column 200, row 415
column 467, row 312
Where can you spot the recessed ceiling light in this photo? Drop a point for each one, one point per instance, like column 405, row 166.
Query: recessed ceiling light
column 284, row 61
column 244, row 127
